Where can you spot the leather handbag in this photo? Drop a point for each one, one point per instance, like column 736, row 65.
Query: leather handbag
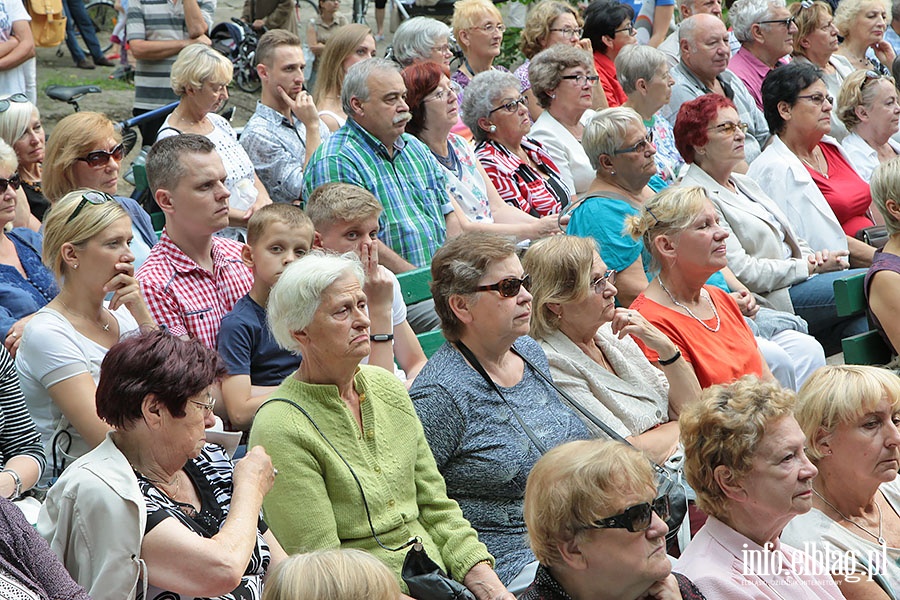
column 876, row 236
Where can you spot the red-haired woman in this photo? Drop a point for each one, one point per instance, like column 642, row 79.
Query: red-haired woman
column 432, row 102
column 764, row 252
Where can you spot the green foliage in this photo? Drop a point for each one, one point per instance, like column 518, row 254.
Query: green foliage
column 510, row 55
column 101, row 81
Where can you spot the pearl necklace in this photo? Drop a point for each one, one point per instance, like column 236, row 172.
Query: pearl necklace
column 689, row 311
column 878, row 537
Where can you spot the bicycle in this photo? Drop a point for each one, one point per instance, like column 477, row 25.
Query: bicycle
column 104, row 15
column 238, row 42
column 306, row 11
column 360, row 9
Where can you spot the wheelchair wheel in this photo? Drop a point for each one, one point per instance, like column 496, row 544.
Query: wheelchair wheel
column 246, row 78
column 105, row 16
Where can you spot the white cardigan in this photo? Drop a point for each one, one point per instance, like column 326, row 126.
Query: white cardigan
column 782, row 176
column 565, row 150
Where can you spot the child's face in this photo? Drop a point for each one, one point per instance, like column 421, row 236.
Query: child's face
column 349, row 236
column 278, row 247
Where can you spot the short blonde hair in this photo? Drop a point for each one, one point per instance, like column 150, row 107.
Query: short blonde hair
column 884, row 186
column 333, row 574
column 15, row 119
column 857, row 91
column 838, row 394
column 560, row 269
column 725, row 428
column 278, row 212
column 606, row 132
column 848, row 10
column 90, row 220
column 669, row 212
column 807, row 18
column 468, row 13
column 575, row 484
column 538, row 23
column 73, row 137
column 197, row 64
column 335, row 202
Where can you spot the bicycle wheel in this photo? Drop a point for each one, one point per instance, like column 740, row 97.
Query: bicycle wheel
column 105, row 16
column 360, row 9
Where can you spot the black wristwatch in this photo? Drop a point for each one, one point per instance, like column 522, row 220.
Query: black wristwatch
column 382, row 337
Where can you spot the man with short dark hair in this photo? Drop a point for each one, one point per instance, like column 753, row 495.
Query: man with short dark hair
column 191, row 278
column 285, row 130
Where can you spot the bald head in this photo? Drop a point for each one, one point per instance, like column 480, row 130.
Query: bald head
column 690, row 8
column 703, row 41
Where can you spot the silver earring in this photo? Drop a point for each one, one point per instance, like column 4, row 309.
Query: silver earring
column 492, row 128
column 75, row 266
column 552, row 96
column 612, row 172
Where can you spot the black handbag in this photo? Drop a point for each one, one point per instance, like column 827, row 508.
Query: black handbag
column 423, row 577
column 666, row 485
column 876, row 236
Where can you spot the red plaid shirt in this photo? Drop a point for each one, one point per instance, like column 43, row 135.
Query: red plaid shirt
column 187, row 298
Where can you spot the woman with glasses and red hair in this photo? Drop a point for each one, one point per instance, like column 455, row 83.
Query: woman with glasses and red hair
column 86, row 236
column 85, row 151
column 485, row 398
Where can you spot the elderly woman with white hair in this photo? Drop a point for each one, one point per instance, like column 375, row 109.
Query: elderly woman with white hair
column 328, row 494
column 765, row 29
column 643, row 72
column 519, row 167
column 422, row 39
column 200, row 76
column 870, row 109
column 21, row 128
column 862, row 24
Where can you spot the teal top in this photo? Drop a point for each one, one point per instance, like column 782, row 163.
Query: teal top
column 315, row 502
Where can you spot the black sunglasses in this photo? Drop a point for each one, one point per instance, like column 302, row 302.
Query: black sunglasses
column 635, row 518
column 870, row 75
column 508, row 288
column 4, row 104
column 99, row 158
column 90, row 197
column 13, row 182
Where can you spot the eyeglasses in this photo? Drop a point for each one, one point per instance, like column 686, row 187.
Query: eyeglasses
column 439, row 94
column 870, row 75
column 4, row 104
column 511, row 106
column 445, row 49
column 642, row 146
column 601, row 284
column 508, row 288
column 569, row 32
column 630, row 29
column 818, row 99
column 208, row 406
column 13, row 182
column 90, row 197
column 100, row 158
column 729, row 128
column 786, row 22
column 491, row 28
column 581, row 80
column 635, row 518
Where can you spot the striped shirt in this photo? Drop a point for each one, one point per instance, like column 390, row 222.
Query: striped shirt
column 18, row 435
column 159, row 20
column 187, row 298
column 539, row 194
column 411, row 185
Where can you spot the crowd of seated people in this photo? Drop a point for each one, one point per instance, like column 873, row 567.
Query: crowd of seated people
column 631, row 254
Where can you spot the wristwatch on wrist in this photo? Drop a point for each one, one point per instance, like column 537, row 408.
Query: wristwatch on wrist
column 382, row 337
column 17, row 480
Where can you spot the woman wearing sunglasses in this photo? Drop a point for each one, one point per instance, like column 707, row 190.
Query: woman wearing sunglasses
column 519, row 167
column 25, row 283
column 592, row 355
column 870, row 109
column 85, row 151
column 807, row 173
column 745, row 458
column 20, row 127
column 431, row 98
column 488, row 413
column 596, row 525
column 86, row 245
column 763, row 250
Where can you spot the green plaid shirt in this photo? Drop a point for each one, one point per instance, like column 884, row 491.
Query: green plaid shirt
column 411, row 186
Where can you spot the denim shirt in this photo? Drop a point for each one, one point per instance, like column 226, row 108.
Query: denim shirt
column 22, row 296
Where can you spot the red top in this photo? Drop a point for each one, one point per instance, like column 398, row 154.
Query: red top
column 606, row 69
column 844, row 190
column 720, row 357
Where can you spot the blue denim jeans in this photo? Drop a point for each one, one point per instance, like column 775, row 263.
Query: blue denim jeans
column 77, row 15
column 814, row 301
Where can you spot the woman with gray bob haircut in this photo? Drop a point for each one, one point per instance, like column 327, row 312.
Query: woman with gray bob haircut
column 520, row 168
column 315, row 424
column 562, row 81
column 422, row 39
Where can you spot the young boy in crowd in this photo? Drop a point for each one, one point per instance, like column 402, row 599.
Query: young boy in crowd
column 277, row 235
column 345, row 218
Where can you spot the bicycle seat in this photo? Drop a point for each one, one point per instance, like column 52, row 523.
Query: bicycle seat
column 66, row 93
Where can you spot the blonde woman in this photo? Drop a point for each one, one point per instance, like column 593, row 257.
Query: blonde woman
column 349, row 45
column 478, row 29
column 200, row 76
column 334, row 574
